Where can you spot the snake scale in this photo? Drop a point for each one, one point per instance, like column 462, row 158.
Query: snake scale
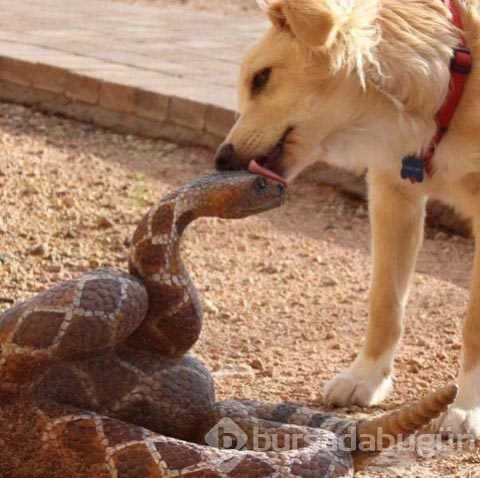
column 95, row 381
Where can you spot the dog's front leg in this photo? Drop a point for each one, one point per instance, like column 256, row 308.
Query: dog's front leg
column 464, row 416
column 397, row 214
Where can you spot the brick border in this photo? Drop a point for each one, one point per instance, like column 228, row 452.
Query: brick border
column 132, row 109
column 121, row 107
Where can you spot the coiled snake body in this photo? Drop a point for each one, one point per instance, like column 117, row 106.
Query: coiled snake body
column 94, row 380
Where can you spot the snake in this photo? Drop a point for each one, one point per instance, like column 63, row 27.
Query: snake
column 97, row 377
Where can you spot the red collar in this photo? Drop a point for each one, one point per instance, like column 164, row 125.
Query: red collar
column 460, row 67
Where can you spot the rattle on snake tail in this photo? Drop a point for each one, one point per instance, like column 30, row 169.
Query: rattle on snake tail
column 94, row 380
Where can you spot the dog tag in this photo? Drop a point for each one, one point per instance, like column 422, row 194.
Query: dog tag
column 413, row 168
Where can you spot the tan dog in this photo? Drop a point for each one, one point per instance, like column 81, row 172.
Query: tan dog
column 357, row 83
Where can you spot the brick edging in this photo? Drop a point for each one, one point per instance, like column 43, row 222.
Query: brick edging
column 125, row 108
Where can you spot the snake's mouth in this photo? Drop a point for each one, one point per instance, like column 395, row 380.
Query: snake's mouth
column 269, row 165
column 267, row 205
column 253, row 211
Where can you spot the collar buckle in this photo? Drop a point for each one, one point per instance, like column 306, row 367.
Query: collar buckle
column 461, row 61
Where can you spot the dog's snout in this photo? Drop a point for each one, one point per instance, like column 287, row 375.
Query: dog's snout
column 225, row 158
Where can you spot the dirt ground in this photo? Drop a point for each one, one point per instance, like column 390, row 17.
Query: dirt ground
column 285, row 293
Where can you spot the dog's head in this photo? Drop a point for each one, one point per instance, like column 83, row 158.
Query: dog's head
column 291, row 96
column 305, row 90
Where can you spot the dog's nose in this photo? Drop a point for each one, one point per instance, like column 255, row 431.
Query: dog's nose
column 225, row 159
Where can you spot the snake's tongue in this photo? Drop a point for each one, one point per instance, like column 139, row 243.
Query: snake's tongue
column 255, row 168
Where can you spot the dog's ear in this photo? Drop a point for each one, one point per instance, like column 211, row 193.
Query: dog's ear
column 310, row 21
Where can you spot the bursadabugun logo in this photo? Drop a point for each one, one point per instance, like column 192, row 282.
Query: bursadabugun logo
column 227, row 439
column 230, row 437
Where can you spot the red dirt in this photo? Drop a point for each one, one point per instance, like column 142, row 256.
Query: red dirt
column 285, row 293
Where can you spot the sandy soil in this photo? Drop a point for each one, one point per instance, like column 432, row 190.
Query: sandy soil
column 285, row 293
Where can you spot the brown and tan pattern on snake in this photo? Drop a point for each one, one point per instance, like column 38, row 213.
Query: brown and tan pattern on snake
column 94, row 381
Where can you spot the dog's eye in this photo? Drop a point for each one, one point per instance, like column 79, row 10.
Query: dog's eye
column 260, row 80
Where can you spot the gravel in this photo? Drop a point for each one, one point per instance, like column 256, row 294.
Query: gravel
column 285, row 292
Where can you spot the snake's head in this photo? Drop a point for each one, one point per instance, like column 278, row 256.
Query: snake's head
column 239, row 194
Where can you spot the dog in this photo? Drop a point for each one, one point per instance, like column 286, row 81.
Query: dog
column 358, row 84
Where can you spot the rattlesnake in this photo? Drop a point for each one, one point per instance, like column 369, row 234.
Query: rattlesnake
column 94, row 380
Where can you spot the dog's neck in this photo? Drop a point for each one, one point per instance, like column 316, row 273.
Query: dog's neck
column 411, row 61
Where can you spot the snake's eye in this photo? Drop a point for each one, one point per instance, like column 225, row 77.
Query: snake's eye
column 260, row 185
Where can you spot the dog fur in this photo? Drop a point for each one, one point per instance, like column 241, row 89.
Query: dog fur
column 357, row 83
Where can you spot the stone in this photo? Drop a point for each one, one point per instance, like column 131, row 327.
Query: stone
column 151, row 105
column 219, row 121
column 257, row 364
column 104, row 222
column 117, row 97
column 49, row 78
column 16, row 71
column 189, row 113
column 38, row 250
column 82, row 88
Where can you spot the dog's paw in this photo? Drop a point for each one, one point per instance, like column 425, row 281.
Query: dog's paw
column 365, row 383
column 463, row 417
column 459, row 423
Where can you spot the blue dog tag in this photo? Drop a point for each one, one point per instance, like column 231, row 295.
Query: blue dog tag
column 413, row 168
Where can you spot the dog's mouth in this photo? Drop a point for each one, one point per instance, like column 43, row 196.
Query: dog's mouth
column 268, row 165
